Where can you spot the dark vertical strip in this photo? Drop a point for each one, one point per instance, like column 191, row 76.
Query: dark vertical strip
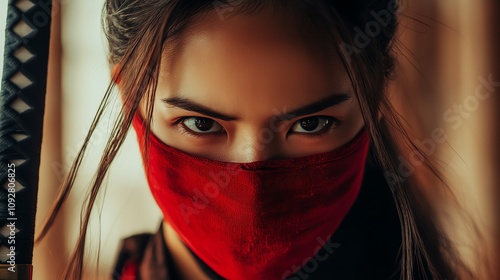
column 21, row 120
column 494, row 46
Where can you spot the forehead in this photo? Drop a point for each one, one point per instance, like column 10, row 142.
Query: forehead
column 265, row 61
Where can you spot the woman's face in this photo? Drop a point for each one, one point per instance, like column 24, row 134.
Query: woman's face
column 253, row 87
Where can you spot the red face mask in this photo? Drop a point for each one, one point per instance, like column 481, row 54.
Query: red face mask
column 255, row 220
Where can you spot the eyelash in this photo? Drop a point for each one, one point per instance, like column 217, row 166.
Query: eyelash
column 185, row 131
column 334, row 123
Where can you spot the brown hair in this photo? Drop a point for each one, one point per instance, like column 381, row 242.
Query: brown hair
column 137, row 31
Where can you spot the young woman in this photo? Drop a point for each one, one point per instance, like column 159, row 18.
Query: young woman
column 264, row 131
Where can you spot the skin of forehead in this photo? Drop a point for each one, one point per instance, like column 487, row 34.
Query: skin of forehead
column 251, row 36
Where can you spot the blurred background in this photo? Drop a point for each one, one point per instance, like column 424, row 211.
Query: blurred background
column 78, row 77
column 448, row 80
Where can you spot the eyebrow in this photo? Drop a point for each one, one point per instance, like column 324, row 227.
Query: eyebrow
column 190, row 105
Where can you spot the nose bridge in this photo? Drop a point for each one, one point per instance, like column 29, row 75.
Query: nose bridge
column 256, row 144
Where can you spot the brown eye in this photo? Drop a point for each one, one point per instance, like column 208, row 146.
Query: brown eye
column 313, row 125
column 202, row 125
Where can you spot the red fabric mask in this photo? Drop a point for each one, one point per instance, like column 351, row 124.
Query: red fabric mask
column 254, row 220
